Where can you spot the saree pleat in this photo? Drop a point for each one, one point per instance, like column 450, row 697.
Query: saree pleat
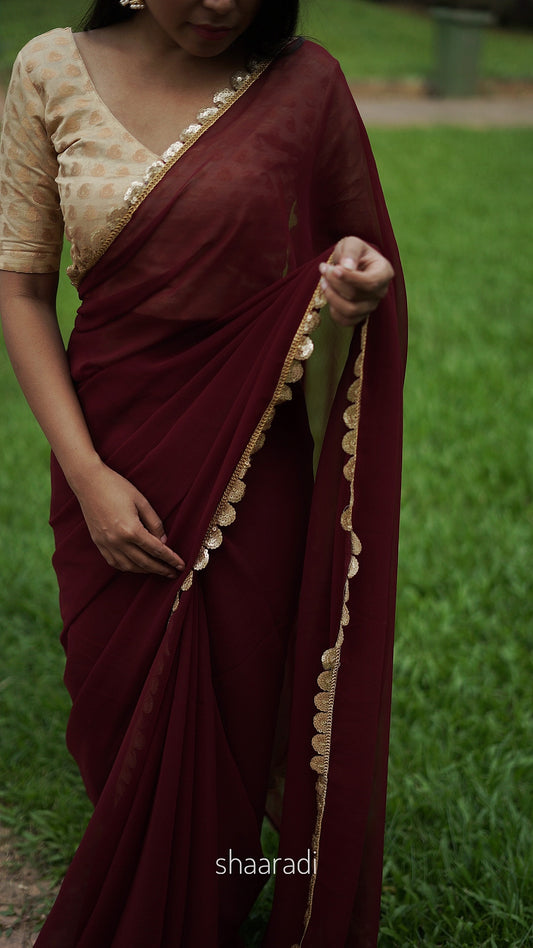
column 187, row 357
column 139, row 750
column 343, row 905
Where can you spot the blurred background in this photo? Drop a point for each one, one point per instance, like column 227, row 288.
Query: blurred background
column 454, row 146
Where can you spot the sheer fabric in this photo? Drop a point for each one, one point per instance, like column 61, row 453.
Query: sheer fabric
column 187, row 355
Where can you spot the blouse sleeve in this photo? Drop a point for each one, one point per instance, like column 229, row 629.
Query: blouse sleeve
column 31, row 225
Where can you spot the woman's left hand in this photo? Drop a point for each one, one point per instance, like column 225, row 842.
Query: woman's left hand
column 355, row 281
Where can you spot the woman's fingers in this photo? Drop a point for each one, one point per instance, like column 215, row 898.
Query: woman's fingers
column 355, row 281
column 149, row 549
column 135, row 548
column 153, row 539
column 345, row 312
column 132, row 559
column 125, row 527
column 149, row 517
column 359, row 285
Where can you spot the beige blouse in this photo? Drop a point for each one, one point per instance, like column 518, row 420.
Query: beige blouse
column 64, row 157
column 65, row 160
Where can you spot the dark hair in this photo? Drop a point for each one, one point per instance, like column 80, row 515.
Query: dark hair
column 273, row 27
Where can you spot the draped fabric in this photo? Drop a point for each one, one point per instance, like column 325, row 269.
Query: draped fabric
column 187, row 356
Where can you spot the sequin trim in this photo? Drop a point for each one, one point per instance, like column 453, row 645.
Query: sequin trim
column 135, row 194
column 301, row 349
column 331, row 659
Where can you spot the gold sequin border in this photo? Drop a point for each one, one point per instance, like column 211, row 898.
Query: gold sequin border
column 102, row 239
column 300, row 350
column 331, row 659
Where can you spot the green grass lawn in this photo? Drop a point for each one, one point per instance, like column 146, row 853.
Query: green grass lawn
column 374, row 40
column 458, row 868
column 459, row 864
column 370, row 39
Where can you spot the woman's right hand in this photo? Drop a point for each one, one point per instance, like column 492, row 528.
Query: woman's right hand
column 124, row 526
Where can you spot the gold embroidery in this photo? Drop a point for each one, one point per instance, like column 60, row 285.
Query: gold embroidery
column 325, row 679
column 285, row 394
column 237, row 492
column 102, row 239
column 301, row 348
column 227, row 515
column 321, row 701
column 306, row 348
column 296, row 372
column 186, row 584
column 259, row 443
column 331, row 659
column 213, row 538
column 320, row 721
column 269, row 417
column 203, row 559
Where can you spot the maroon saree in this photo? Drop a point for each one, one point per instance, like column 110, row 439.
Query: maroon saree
column 187, row 355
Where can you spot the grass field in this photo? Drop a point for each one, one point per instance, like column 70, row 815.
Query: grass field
column 376, row 40
column 459, row 848
column 460, row 838
column 459, row 867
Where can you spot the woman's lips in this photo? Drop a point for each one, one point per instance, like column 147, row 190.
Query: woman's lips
column 213, row 33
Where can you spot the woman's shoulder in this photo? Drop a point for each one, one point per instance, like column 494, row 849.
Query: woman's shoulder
column 305, row 57
column 47, row 51
column 310, row 53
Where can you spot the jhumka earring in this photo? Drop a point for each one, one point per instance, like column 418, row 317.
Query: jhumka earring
column 132, row 4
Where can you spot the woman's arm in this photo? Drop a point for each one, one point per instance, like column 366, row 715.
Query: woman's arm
column 122, row 523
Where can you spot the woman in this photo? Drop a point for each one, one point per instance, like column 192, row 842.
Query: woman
column 188, row 532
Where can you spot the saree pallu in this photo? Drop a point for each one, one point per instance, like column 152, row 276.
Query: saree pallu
column 187, row 355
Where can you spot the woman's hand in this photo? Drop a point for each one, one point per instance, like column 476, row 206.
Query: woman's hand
column 124, row 526
column 355, row 281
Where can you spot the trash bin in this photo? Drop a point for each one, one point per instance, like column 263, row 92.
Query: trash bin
column 458, row 35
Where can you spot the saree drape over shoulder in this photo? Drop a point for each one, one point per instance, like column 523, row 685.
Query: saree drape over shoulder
column 197, row 316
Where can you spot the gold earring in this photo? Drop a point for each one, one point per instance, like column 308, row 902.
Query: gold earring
column 132, row 4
